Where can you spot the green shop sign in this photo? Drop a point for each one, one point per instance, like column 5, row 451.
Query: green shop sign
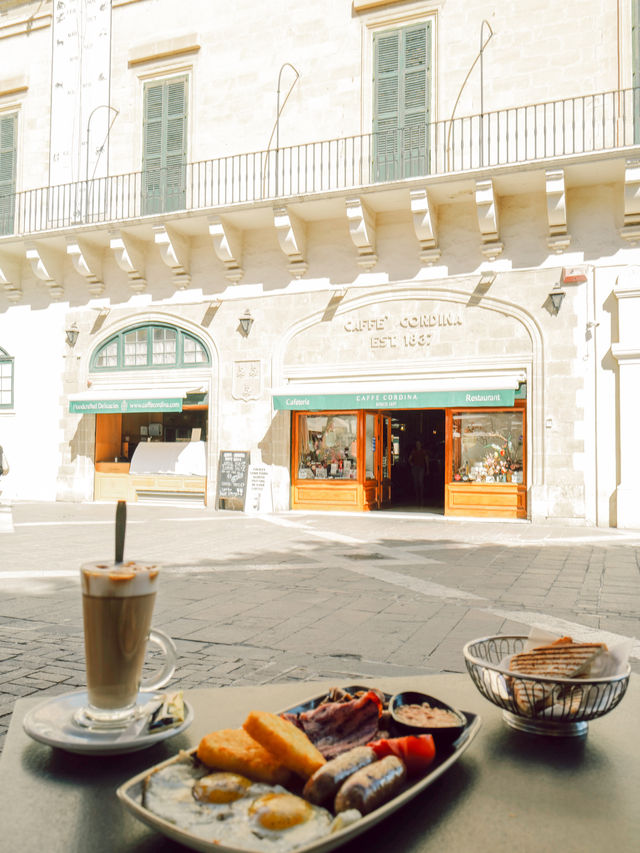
column 394, row 400
column 101, row 407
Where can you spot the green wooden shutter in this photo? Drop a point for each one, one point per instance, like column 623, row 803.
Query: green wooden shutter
column 386, row 109
column 635, row 76
column 8, row 156
column 176, row 137
column 152, row 150
column 415, row 90
column 164, row 146
column 402, row 90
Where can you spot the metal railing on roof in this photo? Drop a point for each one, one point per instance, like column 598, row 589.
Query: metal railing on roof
column 535, row 132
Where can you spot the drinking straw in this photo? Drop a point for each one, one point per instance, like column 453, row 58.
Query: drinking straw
column 121, row 526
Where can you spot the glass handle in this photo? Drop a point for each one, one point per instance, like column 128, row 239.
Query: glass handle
column 168, row 648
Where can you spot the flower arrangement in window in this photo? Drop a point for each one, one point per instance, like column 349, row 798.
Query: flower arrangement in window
column 500, row 459
column 495, row 458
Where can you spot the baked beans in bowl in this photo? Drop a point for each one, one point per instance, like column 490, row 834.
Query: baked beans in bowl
column 417, row 713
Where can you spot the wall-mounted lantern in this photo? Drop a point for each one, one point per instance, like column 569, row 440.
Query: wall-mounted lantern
column 246, row 322
column 71, row 334
column 556, row 297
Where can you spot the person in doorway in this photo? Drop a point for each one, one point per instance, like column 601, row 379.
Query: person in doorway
column 418, row 460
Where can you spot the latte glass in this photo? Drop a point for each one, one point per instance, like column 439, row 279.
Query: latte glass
column 117, row 606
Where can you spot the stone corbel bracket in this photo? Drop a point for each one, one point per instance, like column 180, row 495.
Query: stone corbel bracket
column 488, row 221
column 227, row 244
column 559, row 238
column 10, row 278
column 424, row 223
column 631, row 228
column 129, row 253
column 175, row 251
column 47, row 265
column 292, row 236
column 87, row 262
column 362, row 228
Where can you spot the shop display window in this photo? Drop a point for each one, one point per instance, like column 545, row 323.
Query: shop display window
column 488, row 447
column 118, row 435
column 327, row 447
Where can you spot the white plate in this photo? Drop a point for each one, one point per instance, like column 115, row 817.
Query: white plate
column 130, row 794
column 51, row 722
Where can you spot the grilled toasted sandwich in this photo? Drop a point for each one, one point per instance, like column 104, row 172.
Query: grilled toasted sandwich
column 562, row 659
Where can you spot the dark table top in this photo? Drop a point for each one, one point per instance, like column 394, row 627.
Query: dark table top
column 510, row 791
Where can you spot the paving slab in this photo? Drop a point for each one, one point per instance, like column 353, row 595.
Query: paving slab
column 253, row 599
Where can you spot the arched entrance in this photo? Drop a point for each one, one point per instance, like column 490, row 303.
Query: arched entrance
column 414, row 361
column 149, row 392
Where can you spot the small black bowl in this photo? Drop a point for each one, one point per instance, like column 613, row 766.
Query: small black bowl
column 442, row 735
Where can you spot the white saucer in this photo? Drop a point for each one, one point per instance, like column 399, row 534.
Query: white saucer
column 51, row 722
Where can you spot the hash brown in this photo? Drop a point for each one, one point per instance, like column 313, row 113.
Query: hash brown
column 237, row 752
column 286, row 741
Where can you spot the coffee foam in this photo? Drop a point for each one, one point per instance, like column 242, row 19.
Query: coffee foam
column 106, row 579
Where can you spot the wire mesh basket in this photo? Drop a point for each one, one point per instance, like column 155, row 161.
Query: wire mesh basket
column 535, row 703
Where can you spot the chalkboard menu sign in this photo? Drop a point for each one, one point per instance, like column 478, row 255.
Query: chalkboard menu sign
column 233, row 469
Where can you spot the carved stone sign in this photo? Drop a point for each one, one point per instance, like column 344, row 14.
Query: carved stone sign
column 409, row 329
column 247, row 380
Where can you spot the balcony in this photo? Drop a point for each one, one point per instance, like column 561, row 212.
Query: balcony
column 532, row 134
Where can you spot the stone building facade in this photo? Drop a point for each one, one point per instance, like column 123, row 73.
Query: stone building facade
column 250, row 225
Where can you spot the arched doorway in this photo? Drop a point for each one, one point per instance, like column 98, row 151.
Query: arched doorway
column 149, row 391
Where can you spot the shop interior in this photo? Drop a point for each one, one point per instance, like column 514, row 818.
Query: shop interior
column 408, row 427
column 117, row 436
column 152, row 455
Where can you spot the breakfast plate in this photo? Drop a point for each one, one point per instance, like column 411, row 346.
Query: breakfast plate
column 51, row 722
column 132, row 796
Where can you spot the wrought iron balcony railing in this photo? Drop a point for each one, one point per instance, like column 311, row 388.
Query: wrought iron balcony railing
column 536, row 132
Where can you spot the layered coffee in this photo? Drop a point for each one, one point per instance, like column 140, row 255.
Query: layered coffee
column 117, row 605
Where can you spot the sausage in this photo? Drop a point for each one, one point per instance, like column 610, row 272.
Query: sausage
column 371, row 786
column 322, row 787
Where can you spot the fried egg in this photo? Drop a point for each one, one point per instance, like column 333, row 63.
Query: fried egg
column 231, row 810
column 286, row 821
column 221, row 788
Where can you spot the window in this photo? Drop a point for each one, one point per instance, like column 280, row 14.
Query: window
column 135, row 348
column 108, row 355
column 164, row 146
column 327, row 447
column 193, row 352
column 8, row 156
column 150, row 346
column 402, row 93
column 6, row 380
column 488, row 447
column 370, row 447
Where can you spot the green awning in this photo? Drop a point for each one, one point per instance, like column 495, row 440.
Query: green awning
column 115, row 406
column 114, row 398
column 393, row 400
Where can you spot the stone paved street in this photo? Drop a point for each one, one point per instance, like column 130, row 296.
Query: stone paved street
column 297, row 596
